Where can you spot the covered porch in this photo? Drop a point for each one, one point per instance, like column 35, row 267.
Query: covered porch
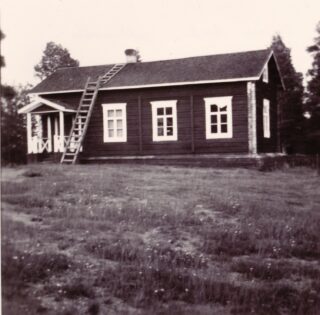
column 48, row 126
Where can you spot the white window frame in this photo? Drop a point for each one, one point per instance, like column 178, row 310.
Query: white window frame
column 114, row 106
column 220, row 102
column 266, row 118
column 164, row 104
column 265, row 74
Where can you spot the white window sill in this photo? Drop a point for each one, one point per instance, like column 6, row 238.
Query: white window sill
column 165, row 139
column 115, row 140
column 218, row 136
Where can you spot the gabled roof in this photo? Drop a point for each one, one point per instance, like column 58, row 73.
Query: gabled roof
column 242, row 66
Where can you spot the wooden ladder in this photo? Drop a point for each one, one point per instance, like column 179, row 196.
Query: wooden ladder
column 81, row 122
column 112, row 72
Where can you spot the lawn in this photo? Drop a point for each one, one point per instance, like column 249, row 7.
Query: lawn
column 136, row 239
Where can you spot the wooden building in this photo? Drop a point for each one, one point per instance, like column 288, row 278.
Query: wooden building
column 222, row 105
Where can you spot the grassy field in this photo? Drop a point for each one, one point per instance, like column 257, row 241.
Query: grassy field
column 130, row 239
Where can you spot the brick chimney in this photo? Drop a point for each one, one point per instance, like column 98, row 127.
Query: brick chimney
column 132, row 55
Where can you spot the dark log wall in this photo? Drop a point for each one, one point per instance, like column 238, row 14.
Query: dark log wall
column 268, row 91
column 190, row 119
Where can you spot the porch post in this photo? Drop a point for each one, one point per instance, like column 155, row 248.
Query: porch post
column 49, row 134
column 56, row 135
column 29, row 132
column 61, row 122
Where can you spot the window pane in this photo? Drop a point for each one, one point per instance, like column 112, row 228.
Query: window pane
column 213, row 119
column 224, row 128
column 119, row 123
column 169, row 121
column 214, row 128
column 119, row 132
column 160, row 122
column 160, row 111
column 160, row 131
column 223, row 109
column 223, row 118
column 110, row 124
column 118, row 112
column 110, row 113
column 213, row 108
column 169, row 131
column 110, row 133
column 169, row 110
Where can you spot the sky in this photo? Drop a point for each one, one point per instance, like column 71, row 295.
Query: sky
column 98, row 31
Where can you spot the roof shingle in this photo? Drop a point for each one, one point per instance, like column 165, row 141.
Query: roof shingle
column 204, row 68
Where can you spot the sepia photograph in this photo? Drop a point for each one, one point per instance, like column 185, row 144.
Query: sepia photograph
column 160, row 157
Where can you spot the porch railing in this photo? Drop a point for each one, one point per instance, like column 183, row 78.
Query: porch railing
column 60, row 143
column 40, row 145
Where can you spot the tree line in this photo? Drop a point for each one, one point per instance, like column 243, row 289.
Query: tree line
column 299, row 106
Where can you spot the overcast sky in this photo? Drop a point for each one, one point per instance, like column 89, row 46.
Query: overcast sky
column 98, row 31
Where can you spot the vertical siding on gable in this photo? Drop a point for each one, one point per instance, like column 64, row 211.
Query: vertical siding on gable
column 268, row 91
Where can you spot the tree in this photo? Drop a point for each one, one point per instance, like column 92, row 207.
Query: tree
column 13, row 131
column 2, row 62
column 290, row 100
column 54, row 57
column 313, row 96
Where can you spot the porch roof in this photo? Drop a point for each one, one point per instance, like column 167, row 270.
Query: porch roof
column 56, row 105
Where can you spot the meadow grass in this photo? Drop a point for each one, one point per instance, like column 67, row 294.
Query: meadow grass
column 134, row 239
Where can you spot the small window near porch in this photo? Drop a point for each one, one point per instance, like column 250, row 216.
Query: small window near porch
column 164, row 120
column 114, row 122
column 266, row 118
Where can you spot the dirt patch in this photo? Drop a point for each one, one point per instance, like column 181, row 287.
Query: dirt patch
column 26, row 219
column 12, row 175
column 177, row 240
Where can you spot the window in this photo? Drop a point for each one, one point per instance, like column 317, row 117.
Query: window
column 114, row 122
column 266, row 118
column 164, row 120
column 265, row 74
column 218, row 117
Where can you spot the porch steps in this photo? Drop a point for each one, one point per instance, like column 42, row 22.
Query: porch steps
column 81, row 122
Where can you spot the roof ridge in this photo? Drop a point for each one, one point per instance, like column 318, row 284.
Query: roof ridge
column 220, row 54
